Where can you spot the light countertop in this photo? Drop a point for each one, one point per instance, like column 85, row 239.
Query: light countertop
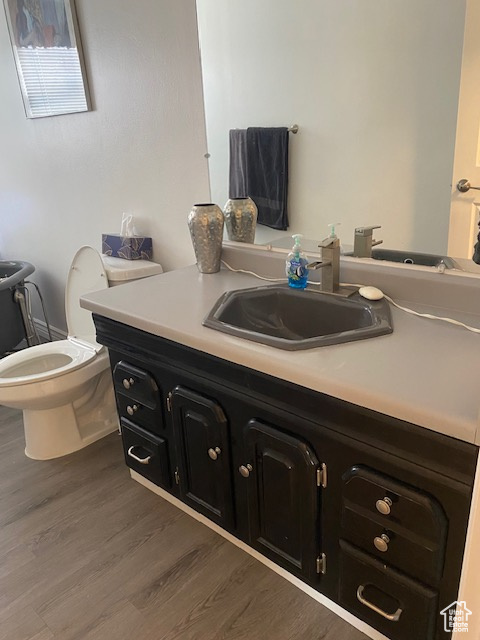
column 425, row 372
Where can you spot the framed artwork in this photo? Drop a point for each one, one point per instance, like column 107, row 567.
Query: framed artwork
column 47, row 52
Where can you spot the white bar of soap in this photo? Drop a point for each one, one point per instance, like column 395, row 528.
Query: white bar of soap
column 371, row 293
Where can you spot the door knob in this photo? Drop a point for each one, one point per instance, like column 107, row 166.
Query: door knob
column 381, row 542
column 214, row 453
column 245, row 470
column 464, row 185
column 131, row 409
column 384, row 506
column 128, row 382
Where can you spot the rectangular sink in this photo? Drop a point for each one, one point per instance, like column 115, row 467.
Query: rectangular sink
column 296, row 319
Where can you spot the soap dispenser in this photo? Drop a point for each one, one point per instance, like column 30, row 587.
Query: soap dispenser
column 296, row 265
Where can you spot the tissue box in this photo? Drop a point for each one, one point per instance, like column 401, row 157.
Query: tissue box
column 127, row 247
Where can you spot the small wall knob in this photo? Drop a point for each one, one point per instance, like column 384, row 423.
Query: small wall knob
column 128, row 382
column 214, row 453
column 384, row 506
column 131, row 409
column 381, row 542
column 245, row 470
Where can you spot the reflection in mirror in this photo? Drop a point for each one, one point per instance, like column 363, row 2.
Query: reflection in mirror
column 374, row 89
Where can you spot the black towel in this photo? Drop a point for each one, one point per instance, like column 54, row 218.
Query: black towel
column 476, row 250
column 265, row 165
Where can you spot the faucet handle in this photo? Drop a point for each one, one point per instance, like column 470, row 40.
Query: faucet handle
column 329, row 241
column 366, row 231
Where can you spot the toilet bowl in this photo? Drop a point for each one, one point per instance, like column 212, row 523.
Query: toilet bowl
column 64, row 388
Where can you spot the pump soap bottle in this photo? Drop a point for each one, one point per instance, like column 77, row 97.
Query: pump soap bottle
column 296, row 265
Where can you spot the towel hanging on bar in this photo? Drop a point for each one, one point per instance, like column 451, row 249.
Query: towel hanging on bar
column 259, row 169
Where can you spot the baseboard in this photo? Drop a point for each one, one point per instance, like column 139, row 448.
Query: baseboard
column 316, row 595
column 41, row 327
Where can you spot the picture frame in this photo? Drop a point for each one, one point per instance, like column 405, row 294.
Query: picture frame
column 48, row 56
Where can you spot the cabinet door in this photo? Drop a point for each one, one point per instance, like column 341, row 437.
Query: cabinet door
column 201, row 438
column 283, row 499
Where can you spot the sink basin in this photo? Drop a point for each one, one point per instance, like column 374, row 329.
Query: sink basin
column 296, row 319
column 413, row 257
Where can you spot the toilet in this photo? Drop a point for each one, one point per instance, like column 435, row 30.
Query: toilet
column 64, row 388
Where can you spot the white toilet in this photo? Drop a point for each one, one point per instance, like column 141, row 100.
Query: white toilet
column 64, row 388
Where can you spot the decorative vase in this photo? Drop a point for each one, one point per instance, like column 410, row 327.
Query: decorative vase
column 205, row 222
column 240, row 219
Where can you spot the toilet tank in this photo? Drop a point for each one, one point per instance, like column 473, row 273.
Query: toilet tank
column 120, row 271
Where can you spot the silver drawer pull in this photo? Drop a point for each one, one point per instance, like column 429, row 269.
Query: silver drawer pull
column 140, row 460
column 381, row 542
column 131, row 409
column 393, row 617
column 383, row 506
column 214, row 453
column 128, row 382
column 245, row 470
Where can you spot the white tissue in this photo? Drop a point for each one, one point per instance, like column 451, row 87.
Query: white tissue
column 127, row 229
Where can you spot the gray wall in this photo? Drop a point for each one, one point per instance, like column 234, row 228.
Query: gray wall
column 65, row 180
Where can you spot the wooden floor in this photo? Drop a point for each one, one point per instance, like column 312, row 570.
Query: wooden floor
column 86, row 553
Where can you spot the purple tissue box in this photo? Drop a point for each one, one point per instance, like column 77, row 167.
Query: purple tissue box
column 127, row 247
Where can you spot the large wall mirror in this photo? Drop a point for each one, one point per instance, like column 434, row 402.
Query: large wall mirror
column 374, row 87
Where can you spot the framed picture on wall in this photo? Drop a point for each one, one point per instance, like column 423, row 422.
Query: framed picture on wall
column 47, row 52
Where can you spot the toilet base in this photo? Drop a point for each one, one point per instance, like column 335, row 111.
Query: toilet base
column 56, row 432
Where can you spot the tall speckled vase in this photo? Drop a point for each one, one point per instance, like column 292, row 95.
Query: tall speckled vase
column 205, row 222
column 240, row 219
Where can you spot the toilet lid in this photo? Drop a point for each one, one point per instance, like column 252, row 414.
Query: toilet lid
column 86, row 274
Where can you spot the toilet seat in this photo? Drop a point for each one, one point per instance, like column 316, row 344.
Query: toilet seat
column 45, row 361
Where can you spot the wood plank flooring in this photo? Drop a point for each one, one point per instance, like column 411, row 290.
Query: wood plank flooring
column 86, row 553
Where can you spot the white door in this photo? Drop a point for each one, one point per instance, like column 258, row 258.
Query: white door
column 465, row 207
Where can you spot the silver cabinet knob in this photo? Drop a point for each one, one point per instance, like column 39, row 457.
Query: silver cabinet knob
column 384, row 506
column 128, row 382
column 381, row 542
column 131, row 409
column 245, row 470
column 214, row 453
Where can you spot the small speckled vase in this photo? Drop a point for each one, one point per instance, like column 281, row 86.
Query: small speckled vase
column 241, row 219
column 205, row 222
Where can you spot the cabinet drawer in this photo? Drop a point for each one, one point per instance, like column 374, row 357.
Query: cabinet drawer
column 136, row 384
column 391, row 602
column 145, row 453
column 134, row 410
column 412, row 554
column 373, row 493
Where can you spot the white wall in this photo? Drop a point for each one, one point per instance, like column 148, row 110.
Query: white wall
column 65, row 180
column 373, row 86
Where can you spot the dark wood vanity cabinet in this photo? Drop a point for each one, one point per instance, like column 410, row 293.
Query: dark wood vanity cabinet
column 369, row 510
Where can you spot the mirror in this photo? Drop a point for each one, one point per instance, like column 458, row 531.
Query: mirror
column 374, row 89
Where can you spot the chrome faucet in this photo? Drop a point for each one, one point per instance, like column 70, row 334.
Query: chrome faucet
column 330, row 263
column 363, row 242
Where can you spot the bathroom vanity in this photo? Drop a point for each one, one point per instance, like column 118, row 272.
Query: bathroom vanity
column 333, row 463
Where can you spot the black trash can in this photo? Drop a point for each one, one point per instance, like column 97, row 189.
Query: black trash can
column 12, row 330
